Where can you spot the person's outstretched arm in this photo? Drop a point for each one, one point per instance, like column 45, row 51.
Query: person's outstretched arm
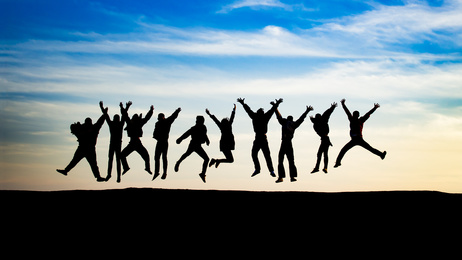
column 231, row 119
column 376, row 105
column 184, row 136
column 124, row 111
column 148, row 115
column 274, row 108
column 345, row 108
column 104, row 111
column 302, row 117
column 246, row 107
column 279, row 117
column 102, row 118
column 329, row 111
column 174, row 115
column 214, row 118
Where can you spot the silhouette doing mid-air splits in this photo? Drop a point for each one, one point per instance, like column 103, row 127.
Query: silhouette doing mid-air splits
column 199, row 136
column 116, row 128
column 135, row 131
column 161, row 134
column 356, row 129
column 288, row 130
column 87, row 135
column 260, row 121
column 227, row 143
column 321, row 126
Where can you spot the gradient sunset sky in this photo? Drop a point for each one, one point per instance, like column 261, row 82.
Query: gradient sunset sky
column 58, row 59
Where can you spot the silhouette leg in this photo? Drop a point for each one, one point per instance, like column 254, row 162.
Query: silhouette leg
column 267, row 154
column 255, row 149
column 345, row 149
column 118, row 164
column 326, row 158
column 78, row 155
column 110, row 161
column 228, row 158
column 370, row 148
column 91, row 158
column 318, row 158
column 145, row 155
column 281, row 170
column 157, row 154
column 184, row 156
column 200, row 151
column 164, row 158
column 123, row 156
column 291, row 159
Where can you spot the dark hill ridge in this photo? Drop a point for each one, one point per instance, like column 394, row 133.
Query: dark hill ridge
column 231, row 219
column 148, row 199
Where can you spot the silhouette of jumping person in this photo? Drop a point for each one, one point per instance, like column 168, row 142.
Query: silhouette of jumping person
column 321, row 126
column 135, row 131
column 227, row 143
column 288, row 130
column 87, row 135
column 199, row 136
column 116, row 127
column 161, row 134
column 356, row 129
column 260, row 121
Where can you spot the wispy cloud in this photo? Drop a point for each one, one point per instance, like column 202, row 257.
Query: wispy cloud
column 413, row 22
column 254, row 4
column 373, row 34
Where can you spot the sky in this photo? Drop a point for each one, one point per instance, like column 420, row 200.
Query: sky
column 58, row 59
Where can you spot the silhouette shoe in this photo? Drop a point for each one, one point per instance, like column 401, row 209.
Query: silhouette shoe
column 99, row 179
column 164, row 176
column 293, row 179
column 155, row 175
column 272, row 174
column 125, row 171
column 337, row 165
column 212, row 162
column 279, row 180
column 149, row 171
column 324, row 170
column 383, row 155
column 255, row 173
column 315, row 170
column 63, row 172
column 202, row 175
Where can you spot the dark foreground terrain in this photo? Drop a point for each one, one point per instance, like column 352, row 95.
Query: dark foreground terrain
column 210, row 205
column 232, row 218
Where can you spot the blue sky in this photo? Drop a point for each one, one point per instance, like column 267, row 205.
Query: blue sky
column 59, row 58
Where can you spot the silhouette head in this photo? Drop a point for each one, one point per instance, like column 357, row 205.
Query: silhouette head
column 135, row 117
column 356, row 114
column 225, row 121
column 200, row 120
column 116, row 118
column 290, row 118
column 88, row 121
column 161, row 116
column 260, row 112
column 318, row 116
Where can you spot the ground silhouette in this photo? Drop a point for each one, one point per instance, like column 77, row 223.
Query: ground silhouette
column 348, row 223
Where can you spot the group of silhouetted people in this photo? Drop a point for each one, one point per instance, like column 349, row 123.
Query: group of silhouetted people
column 87, row 134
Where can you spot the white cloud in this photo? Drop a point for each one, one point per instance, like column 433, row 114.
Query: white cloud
column 371, row 35
column 254, row 4
column 412, row 22
column 270, row 41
